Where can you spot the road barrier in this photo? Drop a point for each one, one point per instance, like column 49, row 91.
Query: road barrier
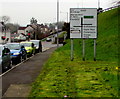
column 110, row 8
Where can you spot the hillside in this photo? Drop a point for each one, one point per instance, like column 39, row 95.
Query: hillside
column 61, row 77
column 107, row 41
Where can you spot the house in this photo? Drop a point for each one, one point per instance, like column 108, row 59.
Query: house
column 25, row 31
column 36, row 31
column 5, row 35
column 44, row 28
column 21, row 30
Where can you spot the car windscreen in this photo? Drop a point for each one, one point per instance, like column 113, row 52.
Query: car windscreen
column 13, row 46
column 26, row 44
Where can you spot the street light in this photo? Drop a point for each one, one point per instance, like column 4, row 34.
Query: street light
column 66, row 13
column 98, row 4
column 57, row 22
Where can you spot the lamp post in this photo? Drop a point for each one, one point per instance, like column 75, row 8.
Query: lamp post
column 57, row 22
column 98, row 4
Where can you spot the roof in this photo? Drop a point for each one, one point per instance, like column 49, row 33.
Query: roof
column 22, row 28
column 14, row 35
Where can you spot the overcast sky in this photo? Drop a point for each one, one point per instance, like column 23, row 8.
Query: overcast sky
column 21, row 11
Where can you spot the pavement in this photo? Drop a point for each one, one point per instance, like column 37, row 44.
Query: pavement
column 17, row 83
column 17, row 91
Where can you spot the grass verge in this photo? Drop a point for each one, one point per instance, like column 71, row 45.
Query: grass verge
column 61, row 77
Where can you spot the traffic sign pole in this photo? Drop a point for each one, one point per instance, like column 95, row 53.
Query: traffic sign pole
column 81, row 27
column 72, row 48
column 94, row 49
column 83, row 49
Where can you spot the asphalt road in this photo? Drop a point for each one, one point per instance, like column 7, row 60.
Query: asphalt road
column 27, row 71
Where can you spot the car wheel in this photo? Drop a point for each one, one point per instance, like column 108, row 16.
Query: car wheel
column 33, row 53
column 10, row 66
column 25, row 57
column 40, row 50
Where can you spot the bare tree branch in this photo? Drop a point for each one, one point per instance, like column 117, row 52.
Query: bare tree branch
column 5, row 19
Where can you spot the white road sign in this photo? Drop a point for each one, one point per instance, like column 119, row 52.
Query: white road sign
column 83, row 22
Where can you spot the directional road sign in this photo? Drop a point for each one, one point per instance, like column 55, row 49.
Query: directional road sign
column 83, row 22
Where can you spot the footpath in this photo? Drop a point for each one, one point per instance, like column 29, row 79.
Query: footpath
column 17, row 82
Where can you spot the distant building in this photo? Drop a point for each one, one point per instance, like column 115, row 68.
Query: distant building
column 44, row 28
column 5, row 35
column 24, row 31
column 21, row 30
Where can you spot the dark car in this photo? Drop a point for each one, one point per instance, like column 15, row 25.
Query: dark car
column 38, row 45
column 48, row 39
column 5, row 59
column 18, row 52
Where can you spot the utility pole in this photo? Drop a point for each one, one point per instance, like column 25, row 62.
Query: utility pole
column 67, row 16
column 98, row 4
column 57, row 22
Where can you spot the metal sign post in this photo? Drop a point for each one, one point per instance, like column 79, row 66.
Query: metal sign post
column 83, row 25
column 83, row 49
column 94, row 49
column 83, row 46
column 72, row 48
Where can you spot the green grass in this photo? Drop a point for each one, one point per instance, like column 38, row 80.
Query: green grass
column 62, row 34
column 61, row 77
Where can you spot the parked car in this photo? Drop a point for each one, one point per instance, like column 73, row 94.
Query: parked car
column 48, row 39
column 38, row 45
column 5, row 59
column 18, row 52
column 30, row 48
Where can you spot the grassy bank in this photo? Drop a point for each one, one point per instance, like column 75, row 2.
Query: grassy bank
column 61, row 77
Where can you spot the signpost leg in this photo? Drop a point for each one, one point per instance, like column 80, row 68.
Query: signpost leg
column 94, row 49
column 83, row 49
column 71, row 49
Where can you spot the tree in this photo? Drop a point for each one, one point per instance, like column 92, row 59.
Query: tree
column 33, row 21
column 66, row 27
column 52, row 26
column 60, row 24
column 13, row 27
column 5, row 19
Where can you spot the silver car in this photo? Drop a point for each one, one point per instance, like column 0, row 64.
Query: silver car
column 5, row 59
column 38, row 45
